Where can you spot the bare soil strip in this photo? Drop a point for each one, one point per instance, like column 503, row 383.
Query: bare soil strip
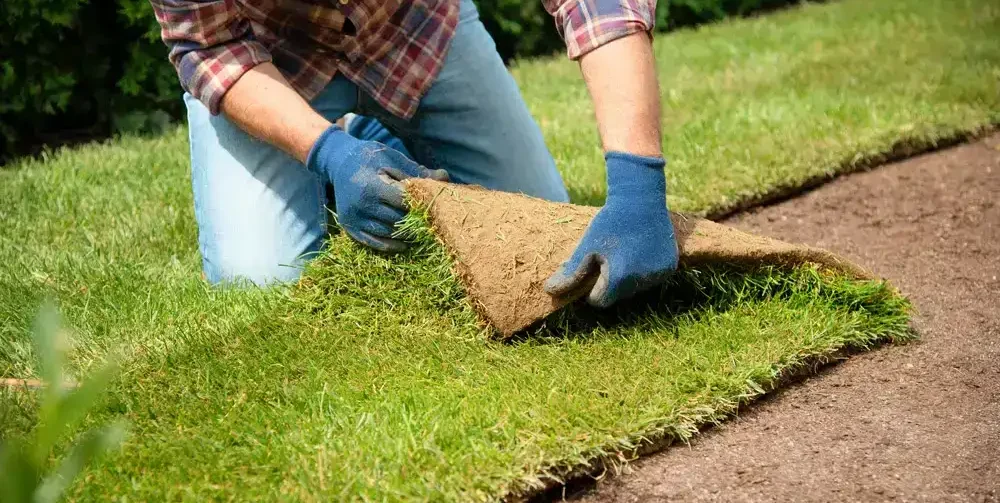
column 919, row 422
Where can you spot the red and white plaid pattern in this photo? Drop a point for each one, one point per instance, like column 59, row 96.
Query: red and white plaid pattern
column 392, row 49
column 588, row 24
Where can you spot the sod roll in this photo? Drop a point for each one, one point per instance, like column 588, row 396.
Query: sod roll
column 506, row 245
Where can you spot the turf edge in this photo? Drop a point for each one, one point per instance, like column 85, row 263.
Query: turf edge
column 900, row 150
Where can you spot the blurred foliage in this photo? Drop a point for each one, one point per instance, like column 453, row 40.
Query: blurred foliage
column 26, row 474
column 82, row 69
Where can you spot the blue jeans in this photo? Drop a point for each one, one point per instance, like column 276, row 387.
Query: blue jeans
column 261, row 213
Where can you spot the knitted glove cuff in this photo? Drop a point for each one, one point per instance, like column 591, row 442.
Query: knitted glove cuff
column 635, row 177
column 330, row 150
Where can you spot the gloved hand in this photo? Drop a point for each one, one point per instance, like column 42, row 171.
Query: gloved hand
column 365, row 177
column 630, row 244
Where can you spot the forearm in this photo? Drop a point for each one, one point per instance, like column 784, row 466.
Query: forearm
column 265, row 105
column 621, row 78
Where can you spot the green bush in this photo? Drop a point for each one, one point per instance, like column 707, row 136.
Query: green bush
column 672, row 14
column 81, row 69
column 520, row 28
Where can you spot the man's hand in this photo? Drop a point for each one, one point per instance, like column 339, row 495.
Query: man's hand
column 630, row 244
column 365, row 177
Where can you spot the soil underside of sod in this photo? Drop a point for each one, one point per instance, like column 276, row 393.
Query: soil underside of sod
column 919, row 422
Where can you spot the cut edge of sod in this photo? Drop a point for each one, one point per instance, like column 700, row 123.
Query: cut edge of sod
column 905, row 147
column 720, row 285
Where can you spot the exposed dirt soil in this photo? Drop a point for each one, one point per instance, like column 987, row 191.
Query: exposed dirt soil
column 506, row 245
column 919, row 422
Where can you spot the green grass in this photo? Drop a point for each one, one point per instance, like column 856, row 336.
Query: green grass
column 373, row 380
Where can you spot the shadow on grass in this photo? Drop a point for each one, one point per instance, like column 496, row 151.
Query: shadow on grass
column 579, row 320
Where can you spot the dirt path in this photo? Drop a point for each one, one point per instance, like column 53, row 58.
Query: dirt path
column 909, row 423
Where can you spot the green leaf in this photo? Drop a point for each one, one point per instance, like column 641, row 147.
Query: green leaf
column 18, row 473
column 49, row 348
column 49, row 345
column 92, row 445
column 74, row 406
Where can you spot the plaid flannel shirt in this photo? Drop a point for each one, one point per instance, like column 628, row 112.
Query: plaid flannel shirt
column 390, row 48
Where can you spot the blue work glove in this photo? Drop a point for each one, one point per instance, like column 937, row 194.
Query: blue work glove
column 366, row 179
column 630, row 244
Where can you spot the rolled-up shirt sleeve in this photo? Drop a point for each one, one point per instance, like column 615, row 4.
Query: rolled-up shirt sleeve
column 588, row 24
column 211, row 45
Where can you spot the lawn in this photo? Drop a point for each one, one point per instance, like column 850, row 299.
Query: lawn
column 372, row 379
